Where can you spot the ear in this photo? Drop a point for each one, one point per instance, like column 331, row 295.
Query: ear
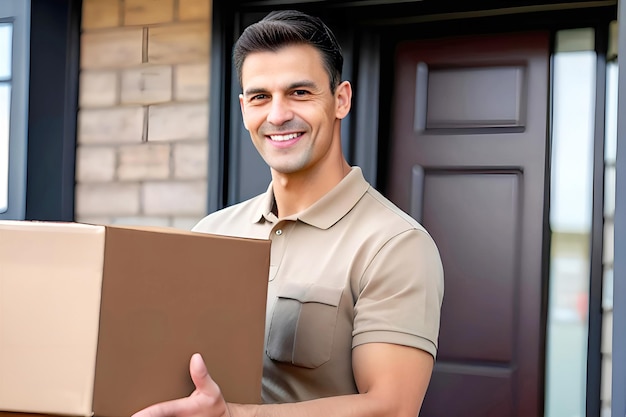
column 343, row 98
column 243, row 111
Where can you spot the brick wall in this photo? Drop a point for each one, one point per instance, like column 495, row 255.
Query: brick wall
column 143, row 112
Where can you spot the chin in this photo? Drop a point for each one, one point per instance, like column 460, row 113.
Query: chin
column 288, row 167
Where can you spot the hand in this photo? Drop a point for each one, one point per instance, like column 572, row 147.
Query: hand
column 205, row 401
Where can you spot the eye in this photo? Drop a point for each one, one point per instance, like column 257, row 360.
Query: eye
column 258, row 97
column 300, row 93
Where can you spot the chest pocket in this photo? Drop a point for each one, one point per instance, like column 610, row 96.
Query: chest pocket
column 303, row 323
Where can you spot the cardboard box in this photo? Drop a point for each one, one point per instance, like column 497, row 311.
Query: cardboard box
column 102, row 320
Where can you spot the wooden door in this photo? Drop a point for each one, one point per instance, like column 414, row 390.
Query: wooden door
column 468, row 159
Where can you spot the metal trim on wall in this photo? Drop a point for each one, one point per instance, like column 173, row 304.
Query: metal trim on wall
column 365, row 133
column 221, row 42
column 594, row 338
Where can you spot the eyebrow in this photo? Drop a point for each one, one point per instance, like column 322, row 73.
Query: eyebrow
column 292, row 86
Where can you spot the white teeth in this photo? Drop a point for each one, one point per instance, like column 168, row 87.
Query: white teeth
column 281, row 138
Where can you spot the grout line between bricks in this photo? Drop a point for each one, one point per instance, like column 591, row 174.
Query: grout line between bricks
column 118, row 87
column 176, row 14
column 144, row 46
column 146, row 116
column 172, row 163
column 174, row 92
column 120, row 17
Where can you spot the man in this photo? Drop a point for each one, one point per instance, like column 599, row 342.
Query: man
column 355, row 285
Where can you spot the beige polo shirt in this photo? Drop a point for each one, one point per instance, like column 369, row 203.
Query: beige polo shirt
column 350, row 269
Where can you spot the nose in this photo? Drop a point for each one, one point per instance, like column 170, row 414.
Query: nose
column 279, row 111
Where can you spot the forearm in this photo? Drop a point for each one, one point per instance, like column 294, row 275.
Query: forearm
column 358, row 405
column 392, row 380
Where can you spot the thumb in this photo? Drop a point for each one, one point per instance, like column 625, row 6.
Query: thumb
column 201, row 378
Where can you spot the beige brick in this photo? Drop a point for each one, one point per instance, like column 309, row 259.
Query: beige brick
column 194, row 9
column 182, row 43
column 142, row 221
column 191, row 160
column 185, row 223
column 191, row 82
column 111, row 49
column 112, row 199
column 145, row 12
column 144, row 162
column 182, row 198
column 147, row 85
column 98, row 14
column 98, row 88
column 95, row 164
column 114, row 125
column 178, row 121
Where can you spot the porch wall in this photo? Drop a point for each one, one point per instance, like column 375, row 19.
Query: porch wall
column 142, row 149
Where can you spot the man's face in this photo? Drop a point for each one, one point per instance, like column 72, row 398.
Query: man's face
column 289, row 110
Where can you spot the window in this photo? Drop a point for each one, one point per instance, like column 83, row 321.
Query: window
column 581, row 224
column 610, row 159
column 573, row 109
column 6, row 32
column 14, row 53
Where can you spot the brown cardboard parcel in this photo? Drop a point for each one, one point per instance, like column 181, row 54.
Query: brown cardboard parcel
column 101, row 320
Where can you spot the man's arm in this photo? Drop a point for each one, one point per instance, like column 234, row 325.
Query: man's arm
column 391, row 380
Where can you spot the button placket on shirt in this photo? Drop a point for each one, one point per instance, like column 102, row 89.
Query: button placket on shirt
column 278, row 236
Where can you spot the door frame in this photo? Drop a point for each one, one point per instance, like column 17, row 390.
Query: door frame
column 376, row 27
column 618, row 399
column 52, row 110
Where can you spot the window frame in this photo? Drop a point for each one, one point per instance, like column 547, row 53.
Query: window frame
column 17, row 12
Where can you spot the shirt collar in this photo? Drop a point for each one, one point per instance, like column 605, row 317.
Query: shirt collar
column 325, row 212
column 265, row 206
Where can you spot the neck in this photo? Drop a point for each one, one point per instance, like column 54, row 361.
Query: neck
column 296, row 192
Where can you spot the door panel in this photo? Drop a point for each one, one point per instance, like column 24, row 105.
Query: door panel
column 468, row 155
column 470, row 391
column 451, row 93
column 480, row 252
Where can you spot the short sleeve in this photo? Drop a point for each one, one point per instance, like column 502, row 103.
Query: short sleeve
column 400, row 294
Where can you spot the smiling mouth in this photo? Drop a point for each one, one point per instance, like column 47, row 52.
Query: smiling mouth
column 283, row 138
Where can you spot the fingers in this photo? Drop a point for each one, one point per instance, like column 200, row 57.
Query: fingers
column 196, row 405
column 180, row 407
column 201, row 378
column 205, row 401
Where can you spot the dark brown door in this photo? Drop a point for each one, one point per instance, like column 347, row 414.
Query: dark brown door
column 468, row 158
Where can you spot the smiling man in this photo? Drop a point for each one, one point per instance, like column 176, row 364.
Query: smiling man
column 355, row 284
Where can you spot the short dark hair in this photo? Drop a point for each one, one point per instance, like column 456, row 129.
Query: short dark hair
column 289, row 27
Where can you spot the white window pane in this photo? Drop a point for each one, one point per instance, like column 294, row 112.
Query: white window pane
column 6, row 32
column 573, row 112
column 572, row 154
column 5, row 103
column 607, row 289
column 611, row 112
column 609, row 191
